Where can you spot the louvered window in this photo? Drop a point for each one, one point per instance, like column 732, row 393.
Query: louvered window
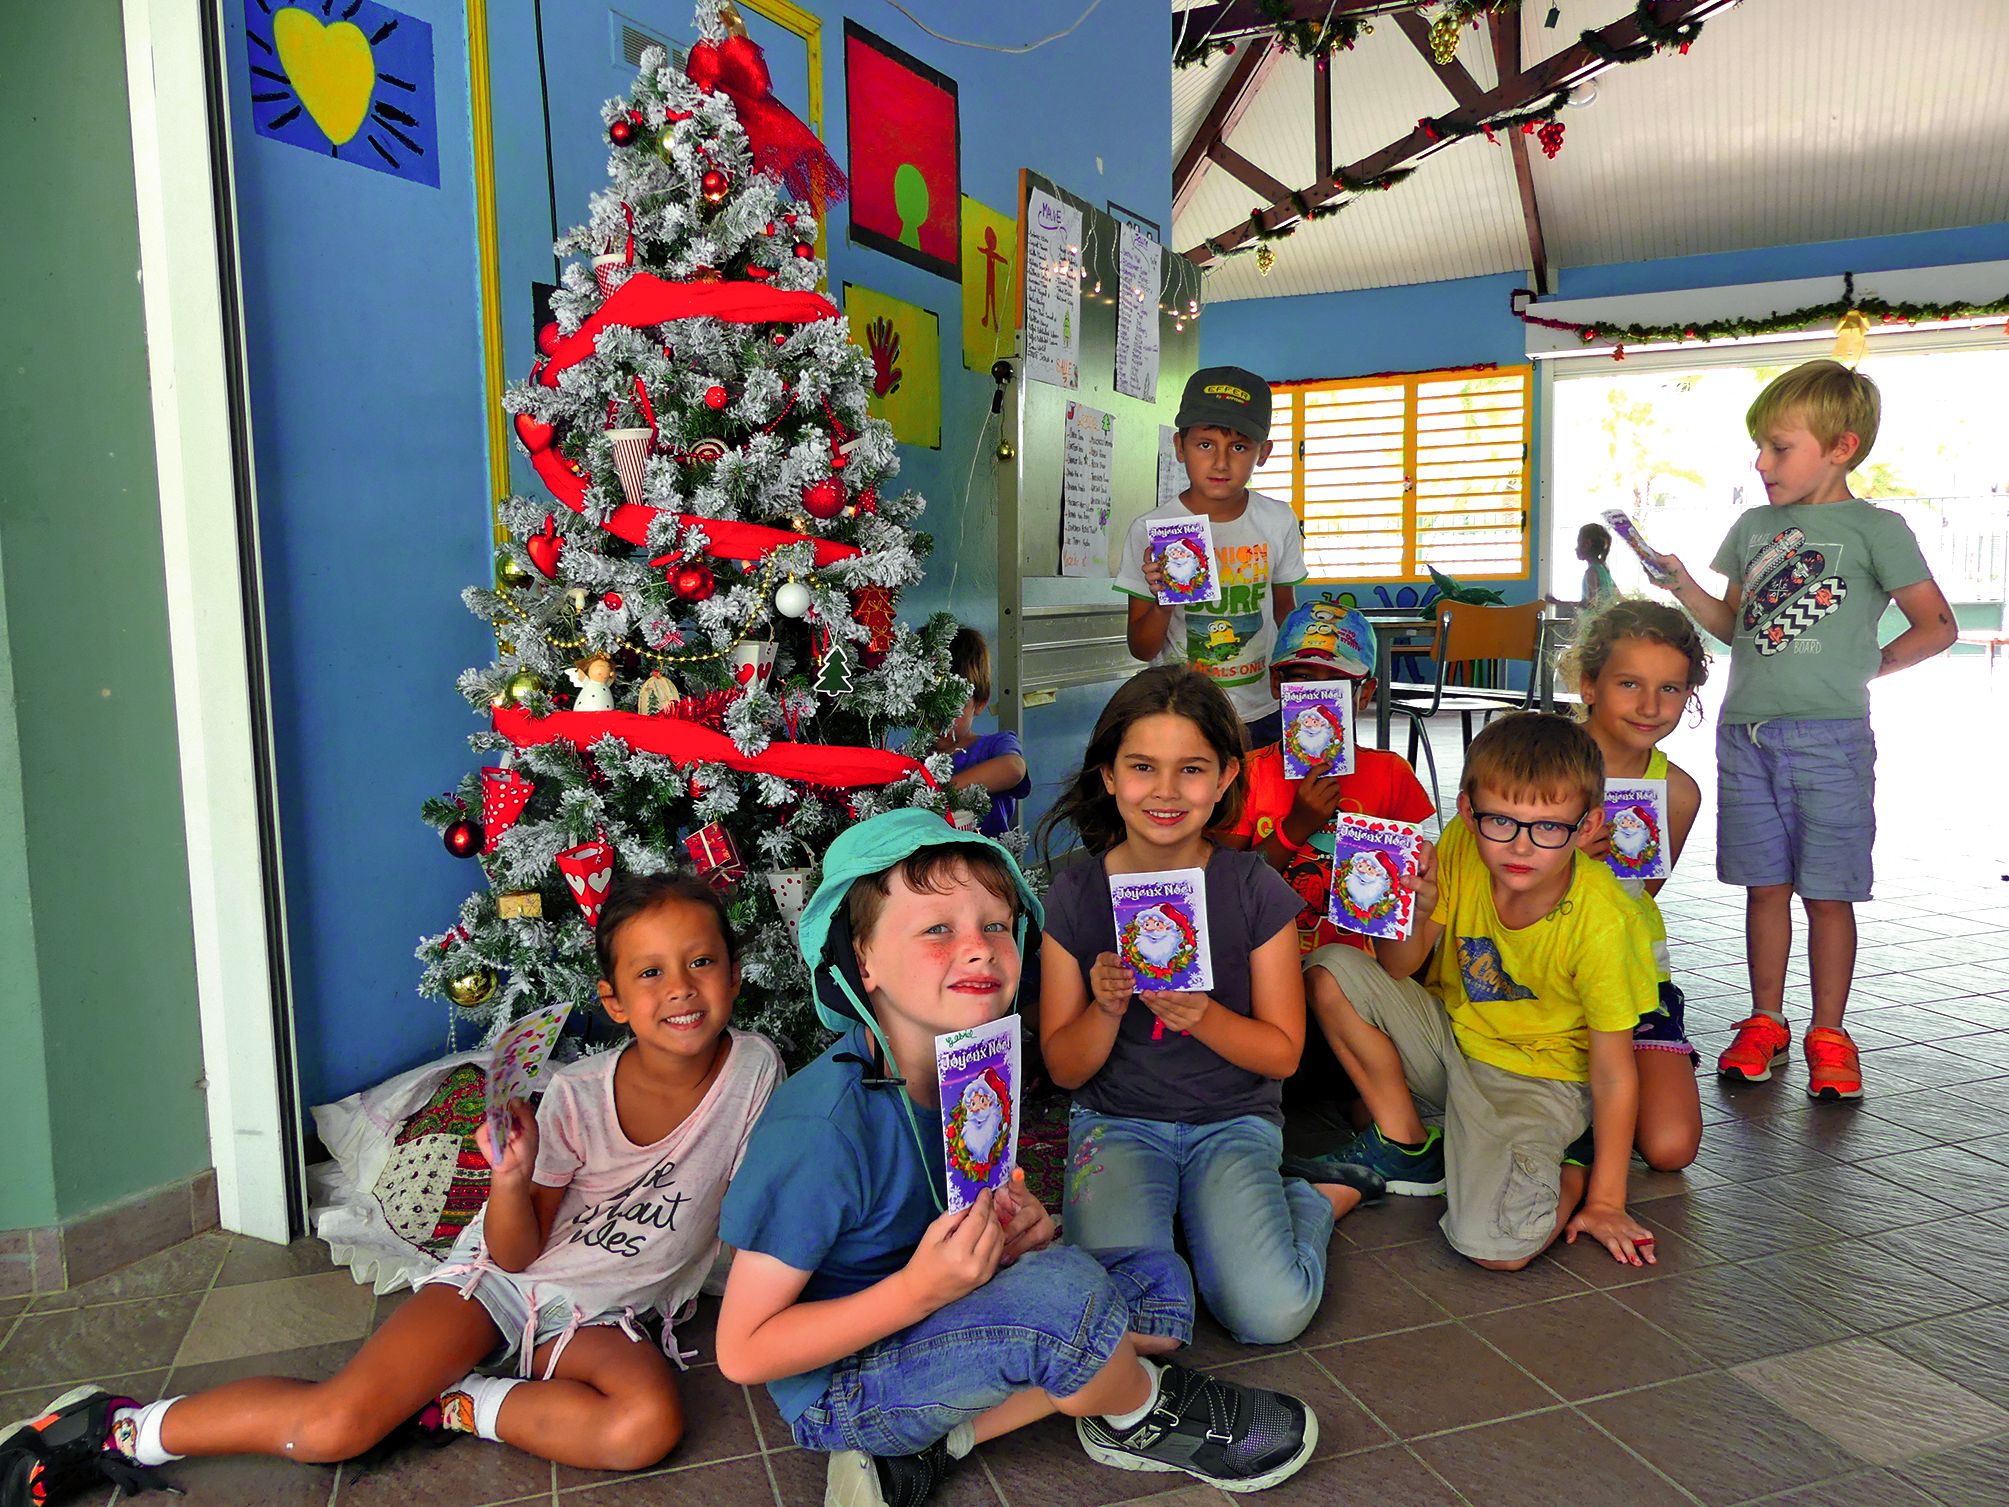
column 1390, row 474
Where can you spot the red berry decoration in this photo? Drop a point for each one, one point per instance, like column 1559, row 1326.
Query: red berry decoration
column 779, row 337
column 612, row 601
column 768, row 229
column 548, row 337
column 1551, row 138
column 693, row 582
column 463, row 838
column 716, row 397
column 622, row 132
column 713, row 185
column 823, row 499
column 804, row 250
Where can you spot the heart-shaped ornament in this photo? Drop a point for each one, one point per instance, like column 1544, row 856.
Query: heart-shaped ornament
column 543, row 549
column 744, row 673
column 330, row 68
column 536, row 436
column 601, row 880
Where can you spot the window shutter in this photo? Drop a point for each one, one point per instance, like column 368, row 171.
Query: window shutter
column 1391, row 474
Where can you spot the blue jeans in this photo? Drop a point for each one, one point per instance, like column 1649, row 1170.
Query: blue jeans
column 1257, row 1240
column 1050, row 1321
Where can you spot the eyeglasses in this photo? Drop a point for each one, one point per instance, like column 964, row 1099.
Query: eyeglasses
column 1495, row 827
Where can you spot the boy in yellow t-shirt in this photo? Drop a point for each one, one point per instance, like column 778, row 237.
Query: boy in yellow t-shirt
column 1522, row 1026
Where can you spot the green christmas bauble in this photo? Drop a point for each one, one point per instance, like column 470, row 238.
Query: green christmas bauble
column 509, row 572
column 521, row 687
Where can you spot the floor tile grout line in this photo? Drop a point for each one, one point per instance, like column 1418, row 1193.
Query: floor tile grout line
column 774, row 1481
column 1413, row 1454
column 1628, row 1449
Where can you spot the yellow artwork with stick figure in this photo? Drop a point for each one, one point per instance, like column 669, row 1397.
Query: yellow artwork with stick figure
column 990, row 246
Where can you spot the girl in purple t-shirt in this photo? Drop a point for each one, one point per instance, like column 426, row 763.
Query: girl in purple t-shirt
column 602, row 1205
column 1178, row 1095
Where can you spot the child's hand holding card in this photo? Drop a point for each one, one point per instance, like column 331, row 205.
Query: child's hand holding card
column 516, row 1066
column 1183, row 549
column 1622, row 525
column 1374, row 869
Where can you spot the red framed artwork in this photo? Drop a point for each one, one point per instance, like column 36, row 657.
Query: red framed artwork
column 906, row 154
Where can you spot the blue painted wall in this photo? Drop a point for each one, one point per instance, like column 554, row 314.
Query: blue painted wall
column 362, row 318
column 362, row 307
column 1468, row 320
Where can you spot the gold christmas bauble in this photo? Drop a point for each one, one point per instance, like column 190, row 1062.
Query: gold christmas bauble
column 522, row 686
column 470, row 989
column 510, row 573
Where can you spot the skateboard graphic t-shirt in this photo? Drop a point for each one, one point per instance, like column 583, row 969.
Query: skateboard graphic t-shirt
column 1816, row 579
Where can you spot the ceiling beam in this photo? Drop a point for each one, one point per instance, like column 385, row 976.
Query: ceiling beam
column 1247, row 76
column 1234, row 18
column 1263, row 183
column 1506, row 28
column 1574, row 65
column 1464, row 88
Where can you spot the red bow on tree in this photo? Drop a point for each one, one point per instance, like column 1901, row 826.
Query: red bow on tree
column 781, row 144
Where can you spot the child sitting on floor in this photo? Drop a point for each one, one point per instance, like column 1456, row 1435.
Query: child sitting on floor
column 604, row 1204
column 1290, row 823
column 1522, row 1028
column 896, row 1336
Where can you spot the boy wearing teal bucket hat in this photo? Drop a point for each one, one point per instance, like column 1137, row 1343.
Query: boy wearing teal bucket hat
column 897, row 1337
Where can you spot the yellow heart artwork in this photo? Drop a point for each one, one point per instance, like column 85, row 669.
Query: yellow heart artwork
column 330, row 68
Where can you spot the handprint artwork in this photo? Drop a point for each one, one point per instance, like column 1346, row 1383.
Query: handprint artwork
column 882, row 343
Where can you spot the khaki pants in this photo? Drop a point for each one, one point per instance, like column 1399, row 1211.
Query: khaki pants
column 1504, row 1134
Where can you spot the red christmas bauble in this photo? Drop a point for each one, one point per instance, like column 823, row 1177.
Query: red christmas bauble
column 612, row 601
column 804, row 250
column 548, row 337
column 463, row 838
column 693, row 582
column 713, row 185
column 621, row 132
column 716, row 397
column 823, row 499
column 779, row 337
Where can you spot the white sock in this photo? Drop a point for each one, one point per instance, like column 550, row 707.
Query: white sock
column 472, row 1404
column 136, row 1432
column 1123, row 1422
column 962, row 1439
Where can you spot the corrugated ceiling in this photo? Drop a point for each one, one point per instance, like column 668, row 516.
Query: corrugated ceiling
column 1789, row 121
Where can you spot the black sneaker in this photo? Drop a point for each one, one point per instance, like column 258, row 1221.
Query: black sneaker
column 48, row 1457
column 1232, row 1437
column 860, row 1480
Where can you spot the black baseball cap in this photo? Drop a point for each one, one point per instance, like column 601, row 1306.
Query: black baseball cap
column 1227, row 397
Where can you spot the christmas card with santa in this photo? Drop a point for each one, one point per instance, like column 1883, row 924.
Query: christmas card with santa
column 1369, row 854
column 1185, row 551
column 1161, row 929
column 978, row 1073
column 517, row 1063
column 1622, row 525
column 1318, row 724
column 1635, row 818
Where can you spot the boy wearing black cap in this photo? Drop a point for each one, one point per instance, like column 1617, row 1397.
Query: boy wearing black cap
column 1224, row 434
column 897, row 1337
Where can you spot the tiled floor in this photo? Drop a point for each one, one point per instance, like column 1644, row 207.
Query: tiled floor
column 1828, row 1325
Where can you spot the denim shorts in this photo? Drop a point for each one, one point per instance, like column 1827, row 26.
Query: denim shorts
column 1796, row 804
column 1051, row 1320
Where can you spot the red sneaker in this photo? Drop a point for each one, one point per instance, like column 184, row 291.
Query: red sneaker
column 1833, row 1069
column 1761, row 1041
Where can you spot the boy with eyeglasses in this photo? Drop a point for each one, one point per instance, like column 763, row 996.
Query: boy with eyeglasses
column 1534, row 968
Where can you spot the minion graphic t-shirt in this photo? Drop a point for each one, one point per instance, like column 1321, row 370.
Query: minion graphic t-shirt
column 1229, row 641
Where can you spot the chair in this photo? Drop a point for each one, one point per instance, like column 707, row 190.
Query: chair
column 1472, row 640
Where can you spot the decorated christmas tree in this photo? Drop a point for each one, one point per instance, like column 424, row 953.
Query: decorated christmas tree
column 699, row 663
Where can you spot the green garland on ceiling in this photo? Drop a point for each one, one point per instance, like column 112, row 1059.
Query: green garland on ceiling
column 1779, row 322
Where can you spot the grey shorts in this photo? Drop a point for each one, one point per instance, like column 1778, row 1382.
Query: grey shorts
column 508, row 1296
column 1504, row 1134
column 1796, row 804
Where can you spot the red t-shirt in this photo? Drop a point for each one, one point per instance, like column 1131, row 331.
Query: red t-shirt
column 1382, row 784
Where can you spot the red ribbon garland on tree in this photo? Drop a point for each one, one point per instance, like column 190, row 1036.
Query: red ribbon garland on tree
column 782, row 145
column 645, row 299
column 831, row 766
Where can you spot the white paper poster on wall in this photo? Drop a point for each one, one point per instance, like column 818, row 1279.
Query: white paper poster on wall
column 1171, row 475
column 1052, row 290
column 1088, row 448
column 1137, row 314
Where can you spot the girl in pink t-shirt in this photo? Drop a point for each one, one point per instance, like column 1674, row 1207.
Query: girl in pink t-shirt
column 603, row 1205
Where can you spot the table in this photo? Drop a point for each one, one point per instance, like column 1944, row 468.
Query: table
column 1414, row 633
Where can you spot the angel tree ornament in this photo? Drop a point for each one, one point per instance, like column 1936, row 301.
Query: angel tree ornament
column 595, row 685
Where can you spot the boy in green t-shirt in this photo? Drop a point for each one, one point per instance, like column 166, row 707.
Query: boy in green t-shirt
column 1522, row 1025
column 1810, row 574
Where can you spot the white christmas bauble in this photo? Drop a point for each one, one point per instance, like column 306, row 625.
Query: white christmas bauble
column 791, row 599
